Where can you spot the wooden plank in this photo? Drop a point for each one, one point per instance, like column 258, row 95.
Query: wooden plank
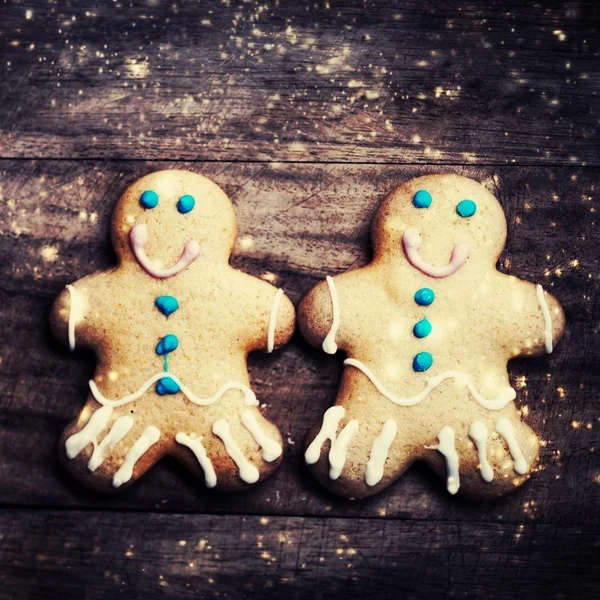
column 299, row 222
column 375, row 81
column 91, row 555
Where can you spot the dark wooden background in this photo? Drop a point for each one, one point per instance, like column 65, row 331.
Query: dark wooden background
column 307, row 114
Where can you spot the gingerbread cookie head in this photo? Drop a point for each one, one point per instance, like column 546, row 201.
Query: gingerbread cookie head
column 167, row 221
column 428, row 328
column 171, row 326
column 440, row 224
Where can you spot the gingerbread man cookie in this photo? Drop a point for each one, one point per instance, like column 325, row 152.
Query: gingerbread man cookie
column 171, row 327
column 428, row 327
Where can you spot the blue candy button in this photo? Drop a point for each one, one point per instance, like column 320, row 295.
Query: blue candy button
column 424, row 296
column 466, row 208
column 149, row 199
column 186, row 204
column 167, row 305
column 422, row 328
column 422, row 199
column 166, row 385
column 422, row 361
column 167, row 344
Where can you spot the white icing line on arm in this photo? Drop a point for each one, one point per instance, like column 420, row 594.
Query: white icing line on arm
column 273, row 321
column 97, row 422
column 195, row 445
column 505, row 429
column 339, row 449
column 503, row 398
column 479, row 434
column 150, row 436
column 329, row 344
column 412, row 242
column 248, row 472
column 118, row 431
column 447, row 448
column 249, row 395
column 271, row 450
column 539, row 290
column 331, row 420
column 379, row 452
column 76, row 310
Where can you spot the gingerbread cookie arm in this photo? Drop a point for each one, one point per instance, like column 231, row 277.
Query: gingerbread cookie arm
column 535, row 318
column 319, row 316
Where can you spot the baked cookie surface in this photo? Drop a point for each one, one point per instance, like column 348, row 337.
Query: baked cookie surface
column 428, row 328
column 171, row 327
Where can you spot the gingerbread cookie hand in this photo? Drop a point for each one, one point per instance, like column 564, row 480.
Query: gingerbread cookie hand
column 171, row 326
column 428, row 327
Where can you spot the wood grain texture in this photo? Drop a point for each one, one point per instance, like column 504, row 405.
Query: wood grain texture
column 107, row 555
column 362, row 81
column 297, row 224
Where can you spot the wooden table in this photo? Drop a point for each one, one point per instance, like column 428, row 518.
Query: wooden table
column 306, row 114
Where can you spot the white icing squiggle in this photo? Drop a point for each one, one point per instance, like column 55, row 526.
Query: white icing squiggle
column 497, row 403
column 447, row 448
column 97, row 422
column 273, row 321
column 339, row 449
column 328, row 431
column 248, row 472
column 143, row 443
column 379, row 452
column 479, row 434
column 329, row 344
column 412, row 242
column 539, row 290
column 195, row 445
column 505, row 429
column 249, row 395
column 118, row 431
column 271, row 450
column 76, row 309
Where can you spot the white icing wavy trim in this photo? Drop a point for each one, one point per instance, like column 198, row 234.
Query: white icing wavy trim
column 539, row 290
column 248, row 472
column 447, row 449
column 505, row 429
column 329, row 344
column 273, row 321
column 498, row 403
column 150, row 436
column 249, row 395
column 195, row 445
column 76, row 309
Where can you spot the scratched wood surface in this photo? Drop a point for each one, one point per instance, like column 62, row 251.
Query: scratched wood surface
column 306, row 115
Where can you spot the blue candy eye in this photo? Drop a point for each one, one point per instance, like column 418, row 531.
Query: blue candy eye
column 186, row 204
column 422, row 199
column 149, row 199
column 466, row 208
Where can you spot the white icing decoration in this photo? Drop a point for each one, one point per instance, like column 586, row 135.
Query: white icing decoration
column 331, row 420
column 76, row 310
column 118, row 431
column 273, row 321
column 479, row 434
column 143, row 443
column 271, row 450
column 339, row 449
column 539, row 290
column 379, row 452
column 497, row 403
column 248, row 472
column 195, row 445
column 505, row 429
column 97, row 422
column 329, row 344
column 249, row 396
column 448, row 450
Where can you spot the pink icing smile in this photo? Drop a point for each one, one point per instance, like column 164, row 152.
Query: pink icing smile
column 138, row 236
column 412, row 242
